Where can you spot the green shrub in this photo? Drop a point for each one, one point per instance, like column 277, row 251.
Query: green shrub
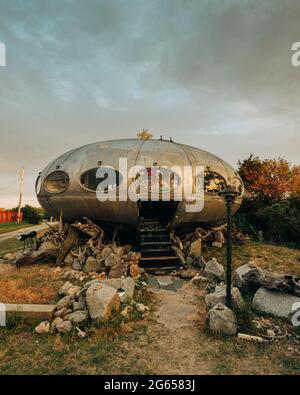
column 278, row 222
column 31, row 214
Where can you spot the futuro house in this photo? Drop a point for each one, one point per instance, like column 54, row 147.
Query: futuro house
column 68, row 184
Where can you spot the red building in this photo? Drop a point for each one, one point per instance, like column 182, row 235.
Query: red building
column 9, row 216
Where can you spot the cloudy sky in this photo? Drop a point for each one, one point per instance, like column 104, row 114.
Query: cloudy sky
column 215, row 74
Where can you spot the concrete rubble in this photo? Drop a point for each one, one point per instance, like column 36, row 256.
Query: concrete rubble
column 96, row 301
column 82, row 247
column 275, row 304
column 189, row 247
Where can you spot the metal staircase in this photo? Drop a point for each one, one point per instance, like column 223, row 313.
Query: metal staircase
column 155, row 245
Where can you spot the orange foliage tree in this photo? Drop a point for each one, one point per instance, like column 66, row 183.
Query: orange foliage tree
column 269, row 180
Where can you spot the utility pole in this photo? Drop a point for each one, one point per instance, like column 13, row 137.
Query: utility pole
column 22, row 172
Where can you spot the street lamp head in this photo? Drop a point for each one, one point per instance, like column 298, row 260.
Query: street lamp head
column 229, row 194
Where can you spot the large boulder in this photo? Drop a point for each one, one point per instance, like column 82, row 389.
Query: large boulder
column 214, row 270
column 102, row 300
column 126, row 284
column 239, row 273
column 222, row 320
column 219, row 296
column 274, row 303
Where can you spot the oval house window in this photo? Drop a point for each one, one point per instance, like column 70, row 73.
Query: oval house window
column 38, row 185
column 57, row 182
column 111, row 178
column 213, row 182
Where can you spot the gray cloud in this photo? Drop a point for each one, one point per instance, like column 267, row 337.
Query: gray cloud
column 213, row 74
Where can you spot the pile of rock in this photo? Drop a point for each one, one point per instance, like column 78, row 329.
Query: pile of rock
column 188, row 247
column 95, row 302
column 81, row 246
column 273, row 295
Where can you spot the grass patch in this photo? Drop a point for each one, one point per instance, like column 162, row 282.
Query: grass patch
column 12, row 226
column 292, row 364
column 279, row 259
column 10, row 245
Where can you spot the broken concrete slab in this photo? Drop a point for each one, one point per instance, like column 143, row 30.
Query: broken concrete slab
column 167, row 283
column 164, row 281
column 274, row 303
column 42, row 312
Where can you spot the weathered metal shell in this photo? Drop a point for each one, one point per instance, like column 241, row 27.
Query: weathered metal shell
column 77, row 202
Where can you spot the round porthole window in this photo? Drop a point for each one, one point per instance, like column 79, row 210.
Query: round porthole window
column 57, row 182
column 110, row 178
column 38, row 185
column 213, row 182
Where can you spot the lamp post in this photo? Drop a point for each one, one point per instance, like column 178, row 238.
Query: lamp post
column 229, row 194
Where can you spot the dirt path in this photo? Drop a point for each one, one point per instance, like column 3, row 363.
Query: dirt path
column 176, row 328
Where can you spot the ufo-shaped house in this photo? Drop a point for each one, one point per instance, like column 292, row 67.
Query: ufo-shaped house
column 68, row 184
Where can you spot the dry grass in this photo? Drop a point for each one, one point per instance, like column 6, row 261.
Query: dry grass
column 31, row 284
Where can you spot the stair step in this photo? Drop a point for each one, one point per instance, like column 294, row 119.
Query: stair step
column 158, row 258
column 155, row 246
column 157, row 252
column 158, row 239
column 156, row 263
column 155, row 243
column 149, row 231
